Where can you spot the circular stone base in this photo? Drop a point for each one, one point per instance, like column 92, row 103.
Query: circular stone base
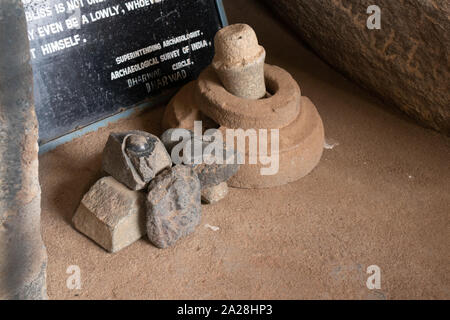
column 300, row 149
column 276, row 111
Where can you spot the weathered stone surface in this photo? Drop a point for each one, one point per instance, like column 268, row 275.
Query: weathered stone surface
column 210, row 171
column 173, row 206
column 23, row 258
column 406, row 62
column 111, row 214
column 300, row 148
column 214, row 194
column 239, row 61
column 134, row 158
column 230, row 111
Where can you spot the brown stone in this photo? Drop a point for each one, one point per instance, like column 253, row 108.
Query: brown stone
column 239, row 61
column 111, row 215
column 234, row 112
column 215, row 193
column 406, row 62
column 300, row 128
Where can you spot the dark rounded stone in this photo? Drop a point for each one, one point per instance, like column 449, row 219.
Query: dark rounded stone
column 140, row 146
column 173, row 206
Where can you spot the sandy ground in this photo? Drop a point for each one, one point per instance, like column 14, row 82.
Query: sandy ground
column 380, row 197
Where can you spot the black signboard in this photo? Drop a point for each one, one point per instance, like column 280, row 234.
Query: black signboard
column 94, row 58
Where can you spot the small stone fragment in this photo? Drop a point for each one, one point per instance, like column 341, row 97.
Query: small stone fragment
column 111, row 214
column 134, row 158
column 214, row 194
column 173, row 206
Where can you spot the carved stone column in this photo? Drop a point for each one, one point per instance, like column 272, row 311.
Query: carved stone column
column 23, row 257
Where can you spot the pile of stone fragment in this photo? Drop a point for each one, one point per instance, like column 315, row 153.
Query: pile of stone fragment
column 150, row 192
column 146, row 193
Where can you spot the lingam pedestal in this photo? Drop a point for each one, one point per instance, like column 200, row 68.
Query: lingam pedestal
column 229, row 92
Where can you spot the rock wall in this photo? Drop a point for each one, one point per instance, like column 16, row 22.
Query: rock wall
column 406, row 61
column 23, row 256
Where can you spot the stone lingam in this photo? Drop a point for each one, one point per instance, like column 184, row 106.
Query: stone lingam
column 238, row 91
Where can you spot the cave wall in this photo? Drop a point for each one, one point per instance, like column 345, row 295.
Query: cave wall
column 406, row 62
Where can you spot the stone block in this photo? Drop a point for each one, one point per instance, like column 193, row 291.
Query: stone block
column 111, row 214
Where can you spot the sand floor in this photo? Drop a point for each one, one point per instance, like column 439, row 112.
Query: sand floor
column 379, row 197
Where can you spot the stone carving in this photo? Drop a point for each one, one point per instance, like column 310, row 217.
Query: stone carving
column 230, row 93
column 134, row 158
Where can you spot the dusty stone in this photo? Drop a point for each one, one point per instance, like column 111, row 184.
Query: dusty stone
column 239, row 61
column 211, row 175
column 111, row 215
column 406, row 62
column 134, row 158
column 23, row 257
column 300, row 136
column 231, row 111
column 214, row 194
column 173, row 206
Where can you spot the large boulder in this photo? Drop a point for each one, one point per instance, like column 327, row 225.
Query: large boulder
column 406, row 61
